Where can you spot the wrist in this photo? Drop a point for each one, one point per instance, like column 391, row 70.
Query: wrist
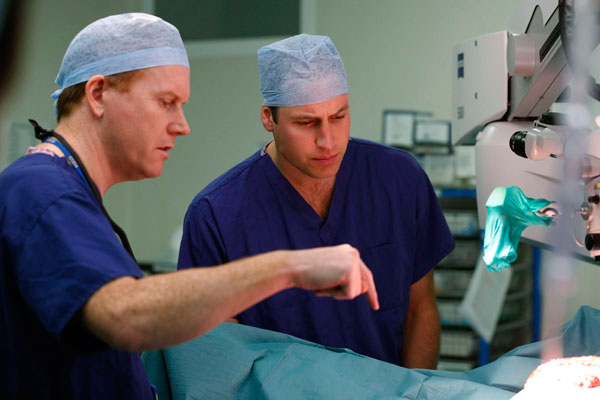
column 291, row 266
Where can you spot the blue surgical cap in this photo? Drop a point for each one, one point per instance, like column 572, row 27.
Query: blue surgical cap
column 303, row 69
column 120, row 43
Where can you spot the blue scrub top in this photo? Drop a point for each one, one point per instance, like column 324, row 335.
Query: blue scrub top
column 383, row 204
column 56, row 249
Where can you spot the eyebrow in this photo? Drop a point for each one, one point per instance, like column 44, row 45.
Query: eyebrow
column 342, row 108
column 170, row 93
column 311, row 116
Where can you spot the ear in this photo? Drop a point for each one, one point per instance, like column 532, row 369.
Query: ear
column 95, row 90
column 266, row 118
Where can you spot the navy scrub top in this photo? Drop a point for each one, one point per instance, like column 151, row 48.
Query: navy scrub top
column 56, row 249
column 383, row 204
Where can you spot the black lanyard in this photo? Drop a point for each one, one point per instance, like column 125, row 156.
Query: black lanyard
column 53, row 137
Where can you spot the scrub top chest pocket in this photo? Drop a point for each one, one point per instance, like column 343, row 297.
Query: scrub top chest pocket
column 392, row 273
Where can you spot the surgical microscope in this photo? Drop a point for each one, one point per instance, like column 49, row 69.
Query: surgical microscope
column 504, row 88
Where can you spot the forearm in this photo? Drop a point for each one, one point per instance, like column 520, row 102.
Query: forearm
column 164, row 310
column 421, row 345
column 168, row 309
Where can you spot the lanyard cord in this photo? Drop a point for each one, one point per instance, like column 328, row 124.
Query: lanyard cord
column 53, row 137
column 67, row 153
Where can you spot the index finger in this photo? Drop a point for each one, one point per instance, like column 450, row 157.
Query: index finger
column 368, row 286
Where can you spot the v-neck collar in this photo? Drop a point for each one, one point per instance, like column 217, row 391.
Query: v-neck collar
column 325, row 227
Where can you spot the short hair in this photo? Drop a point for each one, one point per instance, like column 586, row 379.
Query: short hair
column 72, row 95
column 274, row 112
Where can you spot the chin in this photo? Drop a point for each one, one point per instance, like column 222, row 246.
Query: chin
column 327, row 172
column 324, row 175
column 154, row 173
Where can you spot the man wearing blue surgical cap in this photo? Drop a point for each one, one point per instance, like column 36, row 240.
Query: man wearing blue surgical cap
column 314, row 186
column 75, row 307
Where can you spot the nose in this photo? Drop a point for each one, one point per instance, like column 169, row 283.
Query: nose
column 180, row 125
column 325, row 138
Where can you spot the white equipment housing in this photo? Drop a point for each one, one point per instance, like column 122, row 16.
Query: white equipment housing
column 503, row 82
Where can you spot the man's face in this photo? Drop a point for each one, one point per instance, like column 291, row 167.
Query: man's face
column 140, row 125
column 310, row 140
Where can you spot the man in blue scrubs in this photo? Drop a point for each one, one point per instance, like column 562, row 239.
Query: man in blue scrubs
column 315, row 186
column 74, row 306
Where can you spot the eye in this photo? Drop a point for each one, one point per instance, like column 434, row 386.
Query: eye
column 166, row 103
column 339, row 116
column 304, row 122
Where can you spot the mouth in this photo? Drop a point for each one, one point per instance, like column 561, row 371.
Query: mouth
column 165, row 149
column 325, row 160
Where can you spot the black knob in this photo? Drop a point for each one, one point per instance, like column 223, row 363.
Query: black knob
column 592, row 241
column 517, row 143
